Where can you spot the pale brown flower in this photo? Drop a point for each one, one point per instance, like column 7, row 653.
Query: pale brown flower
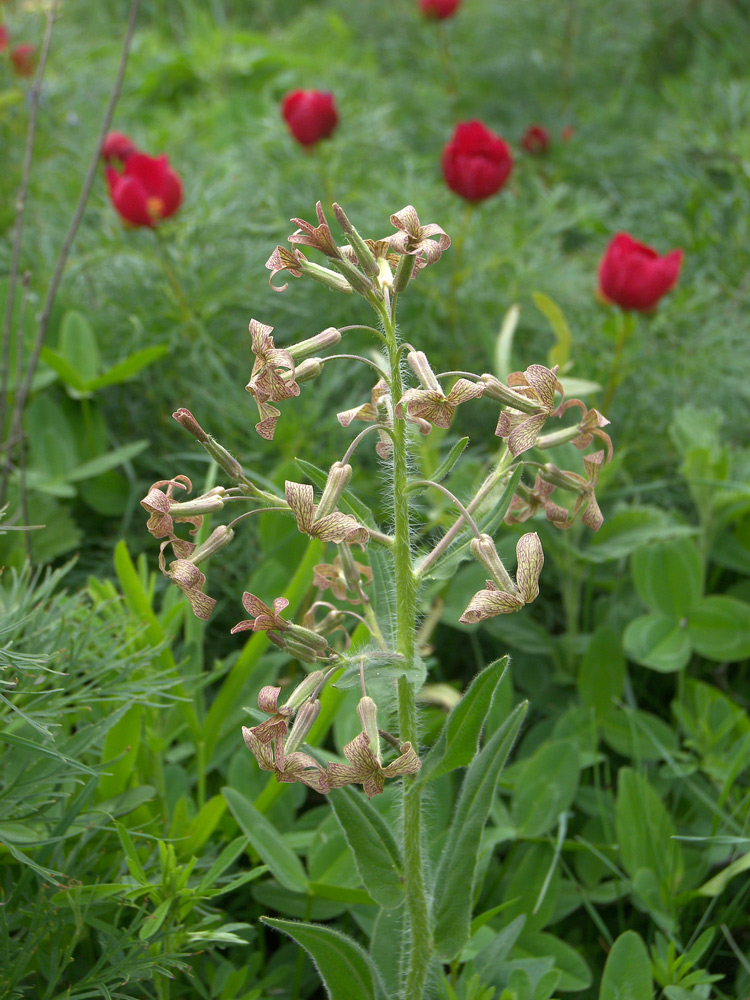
column 334, row 527
column 495, row 601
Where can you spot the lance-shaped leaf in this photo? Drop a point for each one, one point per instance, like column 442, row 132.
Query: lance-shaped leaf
column 454, row 879
column 267, row 841
column 346, row 969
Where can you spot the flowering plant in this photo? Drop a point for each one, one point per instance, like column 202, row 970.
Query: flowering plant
column 147, row 191
column 310, row 115
column 476, row 161
column 384, row 655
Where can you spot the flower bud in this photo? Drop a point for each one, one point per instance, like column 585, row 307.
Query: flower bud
column 326, row 338
column 367, row 711
column 304, row 722
column 218, row 538
column 358, row 281
column 338, row 479
column 417, row 361
column 484, row 550
column 304, row 690
column 309, row 369
column 306, row 637
column 385, row 274
column 325, row 276
column 217, row 451
column 497, row 390
column 364, row 254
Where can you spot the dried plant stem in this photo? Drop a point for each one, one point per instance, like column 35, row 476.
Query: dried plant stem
column 420, row 938
column 23, row 391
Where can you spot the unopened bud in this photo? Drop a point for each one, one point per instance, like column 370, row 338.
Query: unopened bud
column 556, row 438
column 364, row 254
column 217, row 451
column 218, row 538
column 313, row 345
column 304, row 722
column 358, row 281
column 367, row 711
column 404, row 272
column 306, row 637
column 497, row 390
column 385, row 274
column 338, row 479
column 484, row 550
column 309, row 369
column 186, row 419
column 417, row 361
column 325, row 276
column 304, row 690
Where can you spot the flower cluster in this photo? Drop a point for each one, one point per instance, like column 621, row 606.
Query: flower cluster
column 144, row 190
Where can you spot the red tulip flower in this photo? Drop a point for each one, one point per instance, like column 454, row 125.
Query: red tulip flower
column 476, row 162
column 439, row 10
column 310, row 115
column 146, row 192
column 23, row 58
column 117, row 146
column 634, row 276
column 535, row 140
column 4, row 38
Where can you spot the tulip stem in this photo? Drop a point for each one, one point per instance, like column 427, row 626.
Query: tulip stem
column 458, row 259
column 625, row 326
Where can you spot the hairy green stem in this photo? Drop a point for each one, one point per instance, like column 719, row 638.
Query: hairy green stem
column 420, row 938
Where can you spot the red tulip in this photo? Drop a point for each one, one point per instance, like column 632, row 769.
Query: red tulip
column 634, row 276
column 117, row 146
column 4, row 38
column 147, row 190
column 535, row 140
column 310, row 115
column 476, row 162
column 439, row 9
column 23, row 58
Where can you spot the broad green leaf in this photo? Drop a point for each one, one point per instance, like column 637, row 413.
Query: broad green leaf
column 576, row 974
column 52, row 445
column 668, row 576
column 720, row 628
column 560, row 353
column 341, row 894
column 386, row 946
column 120, row 752
column 450, row 460
column 67, row 372
column 77, row 344
column 459, row 738
column 454, row 879
column 109, row 460
column 267, row 841
column 126, row 369
column 347, row 971
column 376, row 853
column 546, row 788
column 627, row 530
column 657, row 641
column 492, row 955
column 274, row 897
column 601, row 676
column 719, row 882
column 153, row 922
column 645, row 830
column 627, row 971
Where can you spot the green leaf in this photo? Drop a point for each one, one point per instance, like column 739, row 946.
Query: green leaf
column 225, row 860
column 491, row 957
column 376, row 853
column 718, row 883
column 639, row 735
column 152, row 924
column 387, row 945
column 454, row 880
column 720, row 628
column 659, row 642
column 342, row 894
column 120, row 752
column 267, row 841
column 67, row 372
column 459, row 738
column 627, row 972
column 601, row 676
column 546, row 788
column 628, row 530
column 131, row 855
column 128, row 368
column 504, row 342
column 202, row 826
column 450, row 460
column 560, row 353
column 109, row 460
column 668, row 576
column 645, row 830
column 576, row 974
column 346, row 970
column 77, row 344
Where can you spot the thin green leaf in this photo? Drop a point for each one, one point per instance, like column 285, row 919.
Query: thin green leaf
column 126, row 369
column 267, row 841
column 450, row 460
column 454, row 880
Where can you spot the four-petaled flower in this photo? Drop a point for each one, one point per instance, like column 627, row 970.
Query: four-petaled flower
column 526, row 502
column 416, row 239
column 334, row 527
column 268, row 702
column 186, row 575
column 434, row 406
column 537, row 385
column 584, row 486
column 164, row 510
column 589, row 426
column 284, row 259
column 263, row 618
column 266, row 379
column 296, row 766
column 495, row 601
column 318, row 237
column 332, row 575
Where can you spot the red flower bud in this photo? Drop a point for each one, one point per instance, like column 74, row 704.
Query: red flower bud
column 23, row 58
column 147, row 190
column 4, row 38
column 535, row 140
column 439, row 9
column 476, row 162
column 117, row 146
column 310, row 115
column 634, row 276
